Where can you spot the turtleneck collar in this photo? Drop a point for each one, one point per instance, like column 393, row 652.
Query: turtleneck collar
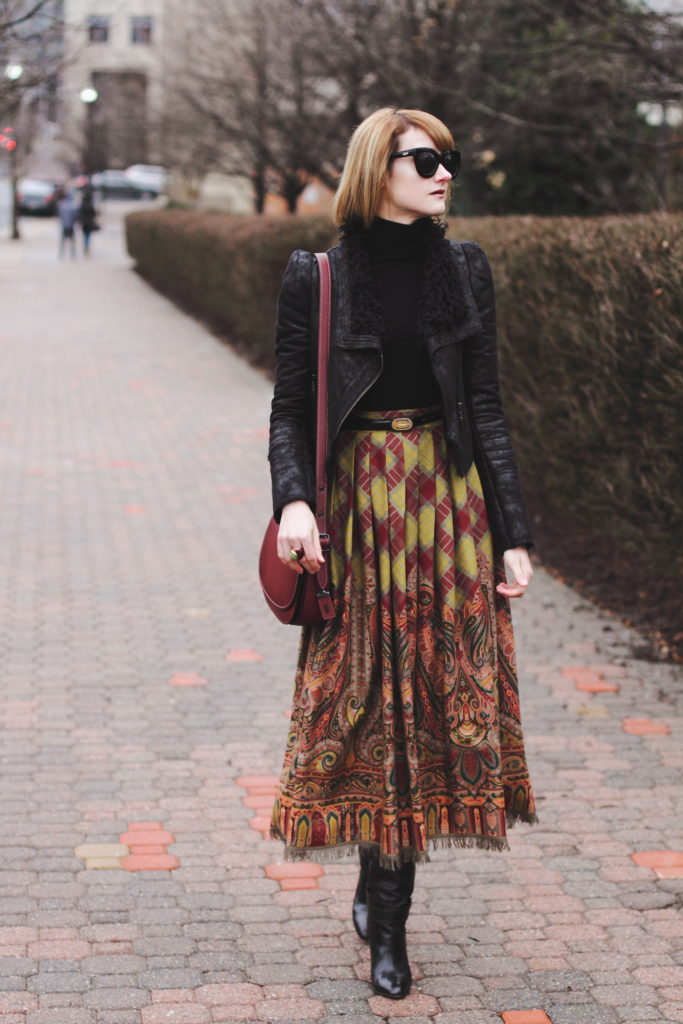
column 388, row 241
column 441, row 305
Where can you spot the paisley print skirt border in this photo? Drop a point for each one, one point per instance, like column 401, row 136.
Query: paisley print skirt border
column 405, row 728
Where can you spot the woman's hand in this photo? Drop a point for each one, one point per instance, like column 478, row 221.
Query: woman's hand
column 518, row 565
column 299, row 531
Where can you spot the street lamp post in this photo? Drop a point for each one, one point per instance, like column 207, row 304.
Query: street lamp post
column 88, row 95
column 13, row 73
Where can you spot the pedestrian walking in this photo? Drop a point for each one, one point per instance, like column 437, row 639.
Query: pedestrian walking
column 406, row 731
column 87, row 217
column 67, row 211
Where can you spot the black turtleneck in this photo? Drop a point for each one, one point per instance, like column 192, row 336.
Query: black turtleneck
column 396, row 252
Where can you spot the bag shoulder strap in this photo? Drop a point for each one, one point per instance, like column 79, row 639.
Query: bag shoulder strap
column 321, row 426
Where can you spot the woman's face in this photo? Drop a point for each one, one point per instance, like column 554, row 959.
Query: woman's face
column 405, row 195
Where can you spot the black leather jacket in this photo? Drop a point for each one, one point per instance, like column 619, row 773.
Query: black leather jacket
column 464, row 362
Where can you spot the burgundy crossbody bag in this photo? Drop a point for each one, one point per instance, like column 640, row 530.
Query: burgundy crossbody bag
column 304, row 599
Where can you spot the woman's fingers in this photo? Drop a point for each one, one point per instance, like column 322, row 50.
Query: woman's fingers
column 310, row 558
column 518, row 565
column 510, row 590
column 285, row 546
column 283, row 553
column 299, row 532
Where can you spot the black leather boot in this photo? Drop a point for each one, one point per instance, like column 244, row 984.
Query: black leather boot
column 359, row 912
column 389, row 899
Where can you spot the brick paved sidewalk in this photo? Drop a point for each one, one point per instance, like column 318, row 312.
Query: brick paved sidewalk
column 144, row 699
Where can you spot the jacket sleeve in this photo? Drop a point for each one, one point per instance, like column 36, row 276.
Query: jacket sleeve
column 491, row 439
column 290, row 445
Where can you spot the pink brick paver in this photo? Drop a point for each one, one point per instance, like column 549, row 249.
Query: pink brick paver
column 181, row 1013
column 526, row 1017
column 58, row 949
column 289, row 1009
column 187, row 679
column 243, row 654
column 260, row 823
column 146, row 706
column 672, row 1011
column 11, row 1002
column 596, row 686
column 253, row 782
column 645, row 727
column 232, row 1012
column 290, row 884
column 258, row 801
column 173, row 995
column 660, row 977
column 152, row 837
column 294, row 869
column 414, row 1005
column 150, row 862
column 219, row 994
column 658, row 858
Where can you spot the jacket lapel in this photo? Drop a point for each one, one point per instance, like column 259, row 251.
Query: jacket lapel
column 461, row 319
column 447, row 311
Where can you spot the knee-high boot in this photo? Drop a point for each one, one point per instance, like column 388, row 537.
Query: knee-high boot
column 389, row 899
column 359, row 912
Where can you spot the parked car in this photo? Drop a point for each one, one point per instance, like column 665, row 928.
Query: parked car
column 151, row 179
column 113, row 183
column 34, row 195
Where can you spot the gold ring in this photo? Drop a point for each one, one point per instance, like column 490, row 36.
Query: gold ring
column 294, row 555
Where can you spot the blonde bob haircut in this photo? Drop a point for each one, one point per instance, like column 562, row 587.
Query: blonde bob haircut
column 367, row 159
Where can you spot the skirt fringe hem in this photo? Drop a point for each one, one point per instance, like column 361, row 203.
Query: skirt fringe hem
column 329, row 854
column 529, row 817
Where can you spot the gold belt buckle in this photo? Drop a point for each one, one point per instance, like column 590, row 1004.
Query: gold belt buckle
column 402, row 423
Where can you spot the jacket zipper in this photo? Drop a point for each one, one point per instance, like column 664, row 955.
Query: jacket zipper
column 364, row 392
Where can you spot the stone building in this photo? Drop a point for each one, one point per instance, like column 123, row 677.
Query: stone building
column 114, row 47
column 133, row 54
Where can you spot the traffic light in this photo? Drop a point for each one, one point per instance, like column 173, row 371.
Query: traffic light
column 7, row 139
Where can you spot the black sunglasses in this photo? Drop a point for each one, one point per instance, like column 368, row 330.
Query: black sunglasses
column 427, row 160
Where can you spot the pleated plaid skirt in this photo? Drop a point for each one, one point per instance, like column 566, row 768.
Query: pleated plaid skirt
column 405, row 730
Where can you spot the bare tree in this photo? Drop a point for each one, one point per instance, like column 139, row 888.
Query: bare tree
column 543, row 96
column 258, row 93
column 30, row 55
column 30, row 37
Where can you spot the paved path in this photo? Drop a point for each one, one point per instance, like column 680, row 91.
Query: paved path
column 143, row 708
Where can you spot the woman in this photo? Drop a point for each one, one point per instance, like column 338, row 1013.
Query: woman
column 88, row 217
column 406, row 728
column 67, row 211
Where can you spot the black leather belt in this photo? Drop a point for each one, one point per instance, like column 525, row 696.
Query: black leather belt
column 401, row 423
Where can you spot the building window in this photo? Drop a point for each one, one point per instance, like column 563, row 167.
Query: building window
column 98, row 29
column 141, row 30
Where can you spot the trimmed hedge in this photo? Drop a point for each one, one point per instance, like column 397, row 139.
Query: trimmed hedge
column 226, row 269
column 591, row 352
column 591, row 315
column 591, row 337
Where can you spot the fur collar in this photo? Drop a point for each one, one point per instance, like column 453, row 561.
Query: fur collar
column 441, row 305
